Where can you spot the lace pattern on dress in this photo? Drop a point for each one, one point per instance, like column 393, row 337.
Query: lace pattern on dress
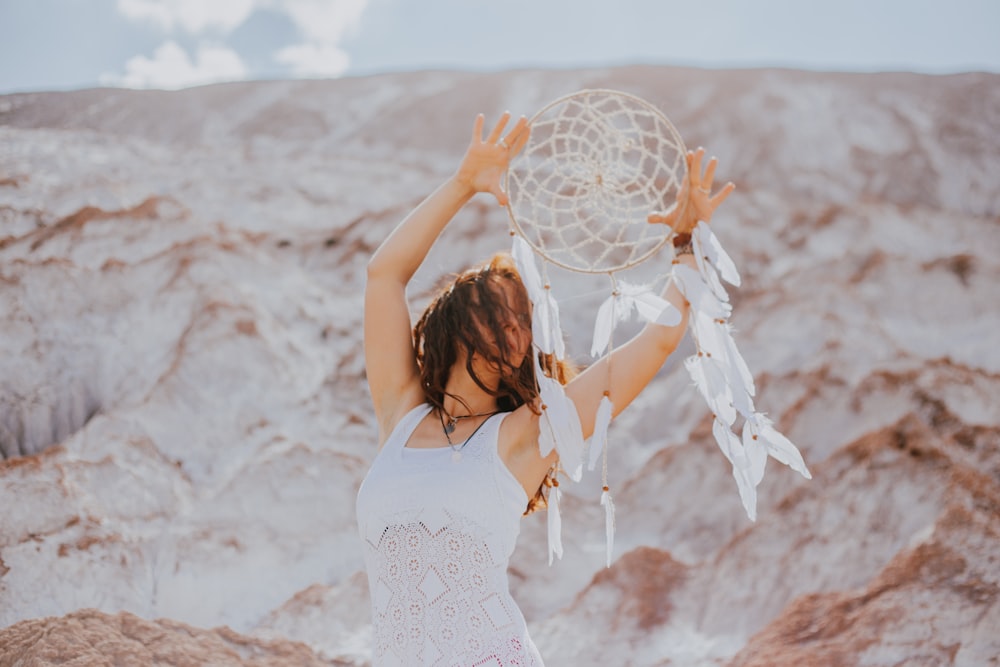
column 436, row 595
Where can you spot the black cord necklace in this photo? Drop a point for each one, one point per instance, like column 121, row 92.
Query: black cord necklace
column 449, row 428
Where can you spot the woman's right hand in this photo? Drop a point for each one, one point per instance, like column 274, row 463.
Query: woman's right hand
column 695, row 200
column 485, row 161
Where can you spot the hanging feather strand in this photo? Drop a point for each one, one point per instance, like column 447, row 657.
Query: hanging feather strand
column 546, row 331
column 721, row 374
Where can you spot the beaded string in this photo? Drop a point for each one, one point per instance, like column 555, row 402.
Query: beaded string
column 607, row 392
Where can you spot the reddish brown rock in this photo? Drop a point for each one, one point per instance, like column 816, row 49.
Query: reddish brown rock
column 935, row 604
column 89, row 638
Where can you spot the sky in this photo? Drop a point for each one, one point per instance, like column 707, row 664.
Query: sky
column 70, row 44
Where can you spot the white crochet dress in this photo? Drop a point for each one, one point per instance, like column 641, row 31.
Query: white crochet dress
column 438, row 535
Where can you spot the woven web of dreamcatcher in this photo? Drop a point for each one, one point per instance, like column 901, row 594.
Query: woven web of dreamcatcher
column 597, row 163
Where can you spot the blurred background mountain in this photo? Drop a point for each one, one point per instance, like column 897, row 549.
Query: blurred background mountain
column 184, row 418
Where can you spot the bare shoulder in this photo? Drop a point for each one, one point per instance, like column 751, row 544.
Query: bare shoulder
column 518, row 428
column 518, row 448
column 390, row 415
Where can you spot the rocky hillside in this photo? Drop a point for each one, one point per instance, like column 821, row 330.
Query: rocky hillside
column 184, row 419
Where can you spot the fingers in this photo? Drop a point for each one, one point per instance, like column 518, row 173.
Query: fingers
column 477, row 129
column 721, row 195
column 694, row 169
column 703, row 182
column 515, row 139
column 518, row 136
column 706, row 180
column 515, row 131
column 684, row 192
column 694, row 196
column 668, row 217
column 499, row 194
column 662, row 219
column 498, row 128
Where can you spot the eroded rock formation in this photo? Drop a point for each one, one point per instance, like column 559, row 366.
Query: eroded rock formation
column 184, row 419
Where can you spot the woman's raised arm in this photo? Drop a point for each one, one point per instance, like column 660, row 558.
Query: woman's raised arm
column 389, row 356
column 633, row 365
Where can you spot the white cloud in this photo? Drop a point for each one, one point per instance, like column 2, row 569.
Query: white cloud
column 314, row 60
column 194, row 16
column 171, row 67
column 322, row 24
column 324, row 21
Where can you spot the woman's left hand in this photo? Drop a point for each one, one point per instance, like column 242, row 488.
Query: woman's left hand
column 696, row 191
column 486, row 160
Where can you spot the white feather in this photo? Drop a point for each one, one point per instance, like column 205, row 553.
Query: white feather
column 701, row 298
column 669, row 317
column 709, row 335
column 748, row 492
column 545, row 328
column 757, row 456
column 524, row 260
column 599, row 438
column 737, row 361
column 710, row 380
column 609, row 524
column 546, row 435
column 722, row 439
column 742, row 467
column 697, row 373
column 656, row 309
column 560, row 415
column 741, row 385
column 638, row 298
column 559, row 345
column 718, row 388
column 717, row 255
column 777, row 445
column 541, row 330
column 742, row 402
column 554, row 524
column 715, row 340
column 708, row 271
column 607, row 318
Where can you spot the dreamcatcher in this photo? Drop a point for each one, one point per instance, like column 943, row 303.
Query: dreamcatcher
column 596, row 165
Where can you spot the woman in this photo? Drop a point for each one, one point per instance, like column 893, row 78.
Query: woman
column 455, row 402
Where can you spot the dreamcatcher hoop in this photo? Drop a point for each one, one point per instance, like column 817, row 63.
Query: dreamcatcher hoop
column 597, row 163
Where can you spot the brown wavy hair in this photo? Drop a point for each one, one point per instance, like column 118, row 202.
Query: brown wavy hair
column 471, row 314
